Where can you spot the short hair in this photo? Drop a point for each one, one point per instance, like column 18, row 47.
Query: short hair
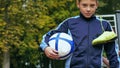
column 80, row 0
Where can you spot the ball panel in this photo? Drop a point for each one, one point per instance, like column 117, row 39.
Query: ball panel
column 63, row 47
column 66, row 36
column 52, row 43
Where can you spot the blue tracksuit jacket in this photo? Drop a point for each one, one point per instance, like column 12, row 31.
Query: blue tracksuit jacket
column 83, row 31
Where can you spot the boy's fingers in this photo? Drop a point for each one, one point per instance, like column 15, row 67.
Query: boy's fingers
column 55, row 51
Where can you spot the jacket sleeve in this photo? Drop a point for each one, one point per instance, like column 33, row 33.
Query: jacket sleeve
column 111, row 49
column 62, row 27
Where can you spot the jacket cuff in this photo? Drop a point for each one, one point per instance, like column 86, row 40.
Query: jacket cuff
column 43, row 46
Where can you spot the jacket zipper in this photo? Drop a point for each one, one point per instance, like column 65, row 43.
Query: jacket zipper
column 88, row 47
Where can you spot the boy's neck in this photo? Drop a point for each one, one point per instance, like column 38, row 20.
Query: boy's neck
column 81, row 15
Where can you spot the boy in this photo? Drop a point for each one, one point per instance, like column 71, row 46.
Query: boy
column 84, row 29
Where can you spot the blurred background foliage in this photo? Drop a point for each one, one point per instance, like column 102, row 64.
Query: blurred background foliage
column 23, row 23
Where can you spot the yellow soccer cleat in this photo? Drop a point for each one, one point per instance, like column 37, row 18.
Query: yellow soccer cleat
column 107, row 36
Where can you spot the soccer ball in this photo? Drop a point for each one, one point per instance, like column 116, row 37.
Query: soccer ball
column 63, row 43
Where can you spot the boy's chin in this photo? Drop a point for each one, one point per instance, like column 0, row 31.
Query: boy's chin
column 88, row 17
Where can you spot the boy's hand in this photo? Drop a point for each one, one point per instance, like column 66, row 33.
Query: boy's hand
column 51, row 53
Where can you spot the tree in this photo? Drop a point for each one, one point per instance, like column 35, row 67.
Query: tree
column 108, row 6
column 21, row 30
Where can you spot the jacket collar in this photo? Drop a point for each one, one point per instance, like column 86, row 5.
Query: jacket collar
column 87, row 19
